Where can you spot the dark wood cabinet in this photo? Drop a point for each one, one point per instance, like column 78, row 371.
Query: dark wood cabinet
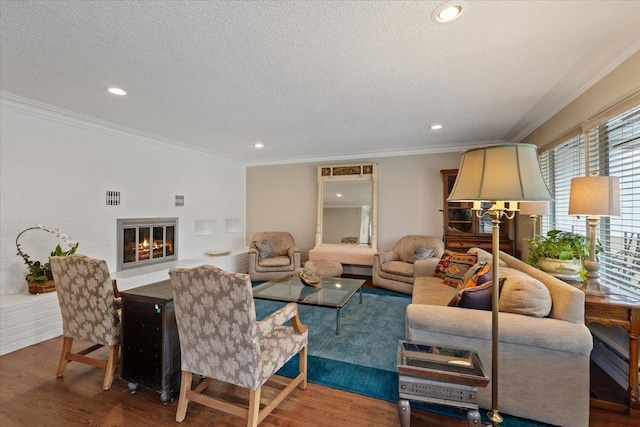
column 463, row 229
column 150, row 344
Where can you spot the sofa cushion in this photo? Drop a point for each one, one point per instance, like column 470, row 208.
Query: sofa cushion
column 399, row 268
column 453, row 266
column 522, row 294
column 481, row 272
column 485, row 256
column 265, row 250
column 430, row 291
column 421, row 252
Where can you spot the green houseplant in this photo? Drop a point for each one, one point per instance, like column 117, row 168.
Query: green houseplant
column 570, row 248
column 39, row 275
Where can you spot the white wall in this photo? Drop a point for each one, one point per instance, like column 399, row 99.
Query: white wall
column 56, row 168
column 284, row 197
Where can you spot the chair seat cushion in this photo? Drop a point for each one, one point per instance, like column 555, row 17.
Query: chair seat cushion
column 276, row 349
column 399, row 268
column 279, row 261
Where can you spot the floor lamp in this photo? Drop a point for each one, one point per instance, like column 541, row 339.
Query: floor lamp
column 594, row 196
column 495, row 178
column 534, row 210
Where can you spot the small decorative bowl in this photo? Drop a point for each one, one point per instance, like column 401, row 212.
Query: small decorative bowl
column 308, row 277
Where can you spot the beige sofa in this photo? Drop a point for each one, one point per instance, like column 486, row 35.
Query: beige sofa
column 391, row 269
column 544, row 361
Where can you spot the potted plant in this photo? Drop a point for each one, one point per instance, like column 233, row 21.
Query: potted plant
column 561, row 253
column 39, row 276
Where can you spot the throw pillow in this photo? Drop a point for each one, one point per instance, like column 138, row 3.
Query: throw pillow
column 458, row 265
column 479, row 297
column 523, row 294
column 443, row 264
column 421, row 252
column 265, row 250
column 478, row 274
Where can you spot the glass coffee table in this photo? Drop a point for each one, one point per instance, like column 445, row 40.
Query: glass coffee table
column 331, row 292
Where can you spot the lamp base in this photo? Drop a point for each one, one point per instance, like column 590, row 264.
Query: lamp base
column 495, row 417
column 592, row 287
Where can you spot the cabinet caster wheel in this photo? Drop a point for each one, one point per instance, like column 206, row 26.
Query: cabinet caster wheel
column 165, row 397
column 133, row 387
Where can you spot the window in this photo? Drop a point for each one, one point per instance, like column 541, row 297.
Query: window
column 610, row 148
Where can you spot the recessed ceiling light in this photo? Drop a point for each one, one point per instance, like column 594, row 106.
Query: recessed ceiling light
column 338, row 195
column 436, row 127
column 117, row 91
column 258, row 145
column 448, row 11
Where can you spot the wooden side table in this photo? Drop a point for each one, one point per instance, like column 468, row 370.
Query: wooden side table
column 618, row 310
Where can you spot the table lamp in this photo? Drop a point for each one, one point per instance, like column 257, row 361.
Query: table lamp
column 534, row 210
column 501, row 175
column 594, row 196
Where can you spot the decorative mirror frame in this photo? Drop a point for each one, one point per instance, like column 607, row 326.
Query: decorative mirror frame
column 341, row 173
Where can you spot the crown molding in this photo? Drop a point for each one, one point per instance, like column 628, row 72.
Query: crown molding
column 48, row 112
column 573, row 84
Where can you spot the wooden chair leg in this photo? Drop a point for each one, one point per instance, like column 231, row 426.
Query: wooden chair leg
column 303, row 367
column 66, row 349
column 183, row 402
column 112, row 362
column 254, row 407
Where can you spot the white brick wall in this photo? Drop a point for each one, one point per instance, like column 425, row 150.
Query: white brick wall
column 56, row 167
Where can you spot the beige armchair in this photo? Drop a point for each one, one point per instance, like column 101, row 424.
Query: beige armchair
column 90, row 312
column 285, row 259
column 221, row 340
column 397, row 269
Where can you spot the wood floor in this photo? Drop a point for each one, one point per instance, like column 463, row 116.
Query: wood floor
column 31, row 395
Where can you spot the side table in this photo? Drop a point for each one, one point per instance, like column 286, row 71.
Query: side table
column 438, row 375
column 150, row 343
column 618, row 310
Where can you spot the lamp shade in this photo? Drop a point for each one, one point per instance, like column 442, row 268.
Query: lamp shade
column 595, row 195
column 502, row 172
column 534, row 208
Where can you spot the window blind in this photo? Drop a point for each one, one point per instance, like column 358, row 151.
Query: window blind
column 559, row 165
column 611, row 147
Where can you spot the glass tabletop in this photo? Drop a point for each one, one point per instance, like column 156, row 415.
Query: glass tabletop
column 332, row 291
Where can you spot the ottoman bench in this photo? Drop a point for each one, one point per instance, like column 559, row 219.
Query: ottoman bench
column 324, row 267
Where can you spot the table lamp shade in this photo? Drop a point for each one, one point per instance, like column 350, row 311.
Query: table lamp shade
column 534, row 208
column 595, row 195
column 503, row 172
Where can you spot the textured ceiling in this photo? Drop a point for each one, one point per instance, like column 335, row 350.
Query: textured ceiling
column 313, row 80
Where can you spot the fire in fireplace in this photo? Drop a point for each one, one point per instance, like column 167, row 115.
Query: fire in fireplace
column 145, row 241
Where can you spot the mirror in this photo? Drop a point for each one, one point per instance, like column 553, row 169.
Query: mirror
column 347, row 205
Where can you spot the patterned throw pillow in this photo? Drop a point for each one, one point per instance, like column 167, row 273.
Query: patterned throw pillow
column 478, row 274
column 421, row 252
column 456, row 266
column 265, row 250
column 443, row 264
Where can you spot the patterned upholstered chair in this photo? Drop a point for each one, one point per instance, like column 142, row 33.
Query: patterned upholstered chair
column 90, row 312
column 220, row 339
column 283, row 260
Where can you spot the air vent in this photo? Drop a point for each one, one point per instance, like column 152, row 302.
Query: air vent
column 179, row 200
column 113, row 198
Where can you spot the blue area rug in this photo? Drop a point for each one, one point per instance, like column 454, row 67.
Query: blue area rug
column 362, row 359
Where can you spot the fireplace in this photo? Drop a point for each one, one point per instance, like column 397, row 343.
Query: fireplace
column 146, row 241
